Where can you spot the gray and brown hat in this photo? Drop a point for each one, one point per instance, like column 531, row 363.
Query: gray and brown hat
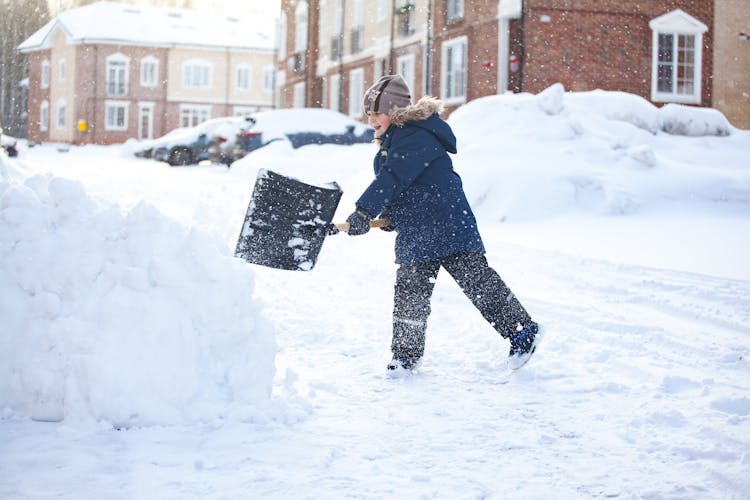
column 387, row 93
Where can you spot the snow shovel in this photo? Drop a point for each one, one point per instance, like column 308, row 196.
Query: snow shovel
column 287, row 221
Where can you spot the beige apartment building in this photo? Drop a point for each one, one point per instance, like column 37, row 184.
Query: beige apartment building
column 107, row 72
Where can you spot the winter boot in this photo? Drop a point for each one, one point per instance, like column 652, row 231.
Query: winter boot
column 398, row 364
column 522, row 346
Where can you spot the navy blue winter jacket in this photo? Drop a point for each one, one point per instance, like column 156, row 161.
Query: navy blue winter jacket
column 416, row 187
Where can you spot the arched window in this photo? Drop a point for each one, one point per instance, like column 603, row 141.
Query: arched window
column 676, row 58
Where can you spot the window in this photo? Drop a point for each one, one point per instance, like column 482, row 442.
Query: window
column 280, row 94
column 300, row 26
column 268, row 78
column 405, row 18
column 337, row 39
column 116, row 115
column 676, row 66
column 454, row 70
column 243, row 77
column 149, row 72
column 357, row 38
column 190, row 116
column 61, row 70
column 282, row 35
column 145, row 120
column 455, row 11
column 299, row 95
column 196, row 74
column 117, row 75
column 45, row 74
column 356, row 89
column 383, row 6
column 244, row 111
column 405, row 68
column 61, row 109
column 44, row 116
column 323, row 22
column 334, row 100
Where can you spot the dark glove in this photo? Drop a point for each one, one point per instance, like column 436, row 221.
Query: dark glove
column 386, row 214
column 331, row 229
column 359, row 222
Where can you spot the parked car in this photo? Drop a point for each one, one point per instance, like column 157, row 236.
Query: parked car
column 211, row 140
column 8, row 144
column 301, row 127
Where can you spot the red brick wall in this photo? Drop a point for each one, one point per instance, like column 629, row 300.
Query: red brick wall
column 91, row 80
column 604, row 44
column 479, row 25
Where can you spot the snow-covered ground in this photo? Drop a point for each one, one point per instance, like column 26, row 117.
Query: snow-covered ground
column 139, row 359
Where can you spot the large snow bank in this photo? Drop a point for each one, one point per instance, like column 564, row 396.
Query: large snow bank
column 130, row 318
column 526, row 156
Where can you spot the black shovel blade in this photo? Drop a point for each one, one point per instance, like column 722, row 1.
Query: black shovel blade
column 286, row 222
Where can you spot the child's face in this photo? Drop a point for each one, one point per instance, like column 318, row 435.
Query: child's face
column 379, row 122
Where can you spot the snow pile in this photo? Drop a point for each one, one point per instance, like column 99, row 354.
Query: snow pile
column 676, row 119
column 128, row 317
column 539, row 156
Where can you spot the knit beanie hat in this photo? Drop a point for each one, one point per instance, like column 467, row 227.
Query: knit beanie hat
column 388, row 92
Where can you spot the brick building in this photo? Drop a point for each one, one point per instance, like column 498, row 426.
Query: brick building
column 458, row 50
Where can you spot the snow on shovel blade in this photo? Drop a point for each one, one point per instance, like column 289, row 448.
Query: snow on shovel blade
column 286, row 220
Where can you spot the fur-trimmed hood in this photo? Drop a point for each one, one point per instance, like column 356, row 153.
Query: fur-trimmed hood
column 425, row 114
column 421, row 110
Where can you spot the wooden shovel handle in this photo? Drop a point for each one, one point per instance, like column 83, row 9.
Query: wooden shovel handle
column 344, row 226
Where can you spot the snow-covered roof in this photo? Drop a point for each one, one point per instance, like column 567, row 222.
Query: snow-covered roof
column 116, row 23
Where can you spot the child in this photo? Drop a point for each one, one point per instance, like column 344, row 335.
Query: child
column 416, row 188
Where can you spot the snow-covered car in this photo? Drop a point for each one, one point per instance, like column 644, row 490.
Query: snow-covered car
column 8, row 144
column 211, row 140
column 299, row 126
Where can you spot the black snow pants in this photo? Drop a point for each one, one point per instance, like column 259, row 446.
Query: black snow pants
column 481, row 284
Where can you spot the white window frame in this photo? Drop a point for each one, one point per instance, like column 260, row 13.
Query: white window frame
column 405, row 67
column 301, row 19
column 112, row 115
column 146, row 109
column 243, row 75
column 453, row 81
column 197, row 74
column 323, row 24
column 269, row 77
column 44, row 116
column 149, row 71
column 299, row 95
column 283, row 29
column 681, row 27
column 280, row 89
column 244, row 111
column 44, row 77
column 356, row 90
column 62, row 108
column 193, row 114
column 334, row 92
column 117, row 75
column 382, row 13
column 61, row 70
column 454, row 11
